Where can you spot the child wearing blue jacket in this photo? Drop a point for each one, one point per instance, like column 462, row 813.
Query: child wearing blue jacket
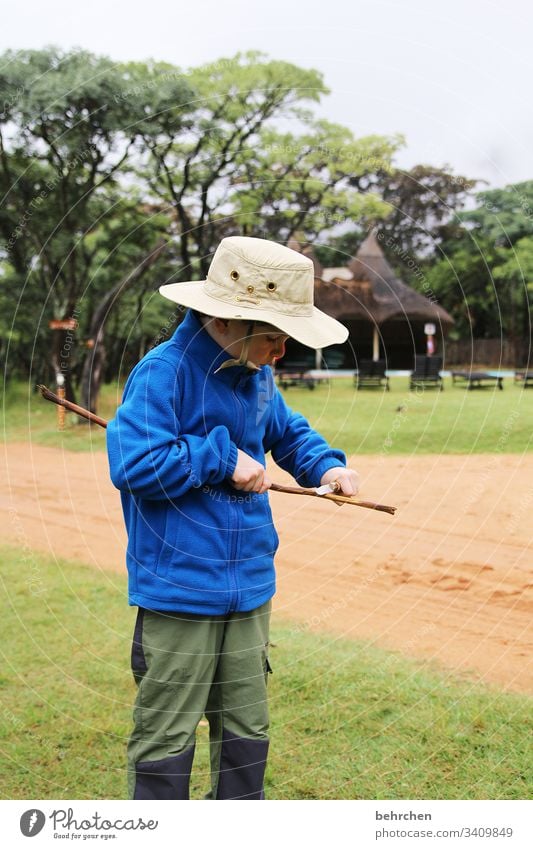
column 187, row 451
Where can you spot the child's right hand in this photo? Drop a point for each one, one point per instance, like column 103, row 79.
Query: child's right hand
column 249, row 475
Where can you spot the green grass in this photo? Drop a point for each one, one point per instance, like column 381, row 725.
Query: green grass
column 348, row 721
column 455, row 421
column 27, row 417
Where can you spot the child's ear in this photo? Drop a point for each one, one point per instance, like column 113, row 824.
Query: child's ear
column 222, row 325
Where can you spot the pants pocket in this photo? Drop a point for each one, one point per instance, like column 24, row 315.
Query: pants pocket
column 266, row 662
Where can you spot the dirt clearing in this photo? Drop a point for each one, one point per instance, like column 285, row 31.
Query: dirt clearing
column 448, row 579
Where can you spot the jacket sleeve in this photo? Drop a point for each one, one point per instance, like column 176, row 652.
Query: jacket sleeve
column 296, row 447
column 148, row 454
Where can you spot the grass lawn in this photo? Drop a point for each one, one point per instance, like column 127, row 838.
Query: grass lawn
column 455, row 421
column 348, row 721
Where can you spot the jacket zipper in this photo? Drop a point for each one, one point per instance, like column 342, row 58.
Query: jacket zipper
column 234, row 513
column 234, row 587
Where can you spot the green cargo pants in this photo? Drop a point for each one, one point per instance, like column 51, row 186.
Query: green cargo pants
column 186, row 666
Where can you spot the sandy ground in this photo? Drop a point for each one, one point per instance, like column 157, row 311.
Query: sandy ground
column 448, row 579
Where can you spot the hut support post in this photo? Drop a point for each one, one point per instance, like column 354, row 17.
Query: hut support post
column 318, row 358
column 375, row 344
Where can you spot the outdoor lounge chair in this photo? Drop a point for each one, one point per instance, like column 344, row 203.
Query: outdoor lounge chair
column 426, row 373
column 371, row 374
column 295, row 374
column 477, row 379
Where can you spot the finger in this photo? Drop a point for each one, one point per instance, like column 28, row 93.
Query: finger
column 254, row 484
column 346, row 486
column 259, row 484
column 267, row 483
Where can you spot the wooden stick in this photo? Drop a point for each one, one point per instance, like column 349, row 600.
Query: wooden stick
column 277, row 487
column 340, row 499
column 68, row 405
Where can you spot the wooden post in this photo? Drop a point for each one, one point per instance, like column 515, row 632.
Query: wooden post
column 60, row 380
column 375, row 344
column 60, row 359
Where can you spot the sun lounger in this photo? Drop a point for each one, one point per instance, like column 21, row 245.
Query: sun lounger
column 426, row 373
column 371, row 374
column 477, row 379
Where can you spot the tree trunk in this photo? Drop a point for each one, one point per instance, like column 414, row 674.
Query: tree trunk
column 93, row 365
column 94, row 362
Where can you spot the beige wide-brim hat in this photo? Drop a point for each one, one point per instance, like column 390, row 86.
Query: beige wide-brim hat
column 259, row 280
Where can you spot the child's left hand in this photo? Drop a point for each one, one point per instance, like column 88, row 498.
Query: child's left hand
column 348, row 479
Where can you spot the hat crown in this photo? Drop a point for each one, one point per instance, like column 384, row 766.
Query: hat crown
column 258, row 280
column 256, row 272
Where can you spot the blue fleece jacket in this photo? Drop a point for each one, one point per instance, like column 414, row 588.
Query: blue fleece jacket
column 196, row 544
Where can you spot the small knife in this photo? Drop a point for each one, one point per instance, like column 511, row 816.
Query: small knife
column 327, row 488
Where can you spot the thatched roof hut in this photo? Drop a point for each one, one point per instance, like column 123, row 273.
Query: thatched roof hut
column 386, row 317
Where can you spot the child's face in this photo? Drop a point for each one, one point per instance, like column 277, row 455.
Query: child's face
column 267, row 344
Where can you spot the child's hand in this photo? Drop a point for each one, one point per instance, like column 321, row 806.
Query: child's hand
column 249, row 475
column 348, row 479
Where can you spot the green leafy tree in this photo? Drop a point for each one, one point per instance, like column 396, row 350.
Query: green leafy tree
column 424, row 201
column 303, row 184
column 69, row 130
column 463, row 283
column 236, row 172
column 514, row 276
column 485, row 277
column 502, row 215
column 420, row 217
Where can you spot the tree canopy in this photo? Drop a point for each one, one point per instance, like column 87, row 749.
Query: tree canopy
column 119, row 176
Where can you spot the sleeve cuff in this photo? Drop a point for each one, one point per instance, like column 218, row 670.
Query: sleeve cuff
column 231, row 461
column 323, row 466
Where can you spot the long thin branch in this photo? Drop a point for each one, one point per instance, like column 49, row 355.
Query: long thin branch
column 277, row 487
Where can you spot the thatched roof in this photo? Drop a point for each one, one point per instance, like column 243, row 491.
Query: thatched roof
column 368, row 289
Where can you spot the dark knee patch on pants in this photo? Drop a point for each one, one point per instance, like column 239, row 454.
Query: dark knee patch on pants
column 242, row 767
column 165, row 779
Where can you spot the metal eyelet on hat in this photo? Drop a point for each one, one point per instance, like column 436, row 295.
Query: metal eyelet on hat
column 234, row 275
column 271, row 286
column 250, row 289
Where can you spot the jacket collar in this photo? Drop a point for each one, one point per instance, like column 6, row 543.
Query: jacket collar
column 192, row 338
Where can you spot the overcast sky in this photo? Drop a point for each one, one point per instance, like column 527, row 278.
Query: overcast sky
column 454, row 77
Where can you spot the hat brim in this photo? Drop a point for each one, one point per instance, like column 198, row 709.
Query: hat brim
column 317, row 330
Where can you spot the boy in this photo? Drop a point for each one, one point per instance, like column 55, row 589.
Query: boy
column 187, row 450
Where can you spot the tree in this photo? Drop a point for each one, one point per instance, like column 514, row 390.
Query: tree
column 301, row 184
column 502, row 215
column 491, row 260
column 487, row 289
column 68, row 132
column 238, row 173
column 463, row 283
column 424, row 204
column 421, row 216
column 514, row 276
